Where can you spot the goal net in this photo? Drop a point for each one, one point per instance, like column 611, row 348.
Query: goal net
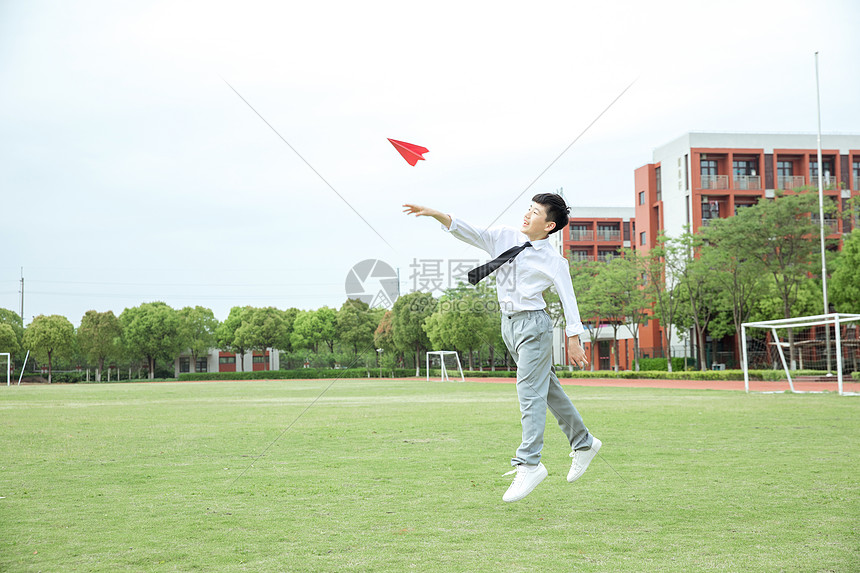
column 825, row 342
column 448, row 360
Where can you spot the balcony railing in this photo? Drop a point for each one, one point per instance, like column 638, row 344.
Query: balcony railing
column 707, row 222
column 789, row 181
column 831, row 226
column 580, row 235
column 828, row 181
column 608, row 235
column 606, row 257
column 580, row 258
column 715, row 181
column 744, row 182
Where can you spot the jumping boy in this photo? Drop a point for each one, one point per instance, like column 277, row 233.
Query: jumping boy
column 532, row 266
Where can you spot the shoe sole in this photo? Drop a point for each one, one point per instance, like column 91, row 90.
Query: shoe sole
column 528, row 491
column 595, row 449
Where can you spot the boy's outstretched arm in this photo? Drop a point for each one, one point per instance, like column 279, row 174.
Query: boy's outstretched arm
column 420, row 211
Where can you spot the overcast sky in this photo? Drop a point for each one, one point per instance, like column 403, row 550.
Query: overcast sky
column 130, row 172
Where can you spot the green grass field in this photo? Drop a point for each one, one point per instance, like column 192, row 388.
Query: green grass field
column 400, row 476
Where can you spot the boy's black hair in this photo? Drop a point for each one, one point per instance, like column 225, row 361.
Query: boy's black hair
column 557, row 210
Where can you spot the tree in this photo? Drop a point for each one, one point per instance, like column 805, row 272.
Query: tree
column 592, row 302
column 263, row 328
column 843, row 288
column 8, row 340
column 623, row 278
column 355, row 325
column 225, row 334
column 461, row 320
column 659, row 289
column 13, row 320
column 197, row 331
column 49, row 337
column 781, row 235
column 327, row 320
column 99, row 337
column 306, row 330
column 383, row 337
column 738, row 273
column 410, row 311
column 289, row 322
column 151, row 331
column 696, row 285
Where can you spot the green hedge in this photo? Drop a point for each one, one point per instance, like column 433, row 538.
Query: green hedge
column 654, row 364
column 300, row 374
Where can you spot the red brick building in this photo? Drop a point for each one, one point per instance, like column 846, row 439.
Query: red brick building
column 700, row 177
column 598, row 234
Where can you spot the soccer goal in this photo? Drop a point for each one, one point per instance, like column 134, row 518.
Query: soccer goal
column 452, row 359
column 8, row 367
column 812, row 342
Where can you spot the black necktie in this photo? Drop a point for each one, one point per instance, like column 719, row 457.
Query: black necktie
column 477, row 274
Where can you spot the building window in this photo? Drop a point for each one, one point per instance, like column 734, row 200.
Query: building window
column 688, row 209
column 261, row 359
column 184, row 364
column 642, row 238
column 744, row 167
column 579, row 255
column 579, row 232
column 710, row 210
column 741, row 205
column 784, row 168
column 709, row 166
column 642, row 197
column 657, row 175
column 608, row 232
column 203, row 364
column 857, row 175
column 606, row 256
column 227, row 360
column 828, row 168
column 687, row 172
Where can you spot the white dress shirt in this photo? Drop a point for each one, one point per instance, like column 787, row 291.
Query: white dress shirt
column 520, row 282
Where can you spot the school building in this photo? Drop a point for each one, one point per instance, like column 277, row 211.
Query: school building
column 701, row 177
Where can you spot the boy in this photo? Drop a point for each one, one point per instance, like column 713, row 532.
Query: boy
column 532, row 266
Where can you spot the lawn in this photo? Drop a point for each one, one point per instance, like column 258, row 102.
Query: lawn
column 407, row 475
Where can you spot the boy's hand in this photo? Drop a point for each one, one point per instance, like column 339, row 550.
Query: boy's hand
column 418, row 210
column 575, row 352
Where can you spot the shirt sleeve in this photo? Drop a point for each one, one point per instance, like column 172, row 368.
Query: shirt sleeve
column 564, row 287
column 482, row 238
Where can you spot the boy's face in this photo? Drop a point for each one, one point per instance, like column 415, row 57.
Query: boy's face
column 535, row 224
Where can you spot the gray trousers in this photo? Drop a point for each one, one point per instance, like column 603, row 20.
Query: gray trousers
column 528, row 336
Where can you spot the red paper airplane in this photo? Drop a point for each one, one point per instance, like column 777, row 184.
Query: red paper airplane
column 410, row 152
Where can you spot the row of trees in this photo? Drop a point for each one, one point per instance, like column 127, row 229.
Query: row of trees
column 761, row 264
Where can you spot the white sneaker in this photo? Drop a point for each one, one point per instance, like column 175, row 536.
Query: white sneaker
column 527, row 478
column 581, row 459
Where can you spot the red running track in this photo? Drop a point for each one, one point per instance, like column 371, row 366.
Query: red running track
column 755, row 385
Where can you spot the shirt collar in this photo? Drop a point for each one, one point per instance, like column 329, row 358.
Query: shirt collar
column 538, row 245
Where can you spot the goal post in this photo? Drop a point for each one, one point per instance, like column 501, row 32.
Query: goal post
column 808, row 349
column 8, row 367
column 442, row 354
